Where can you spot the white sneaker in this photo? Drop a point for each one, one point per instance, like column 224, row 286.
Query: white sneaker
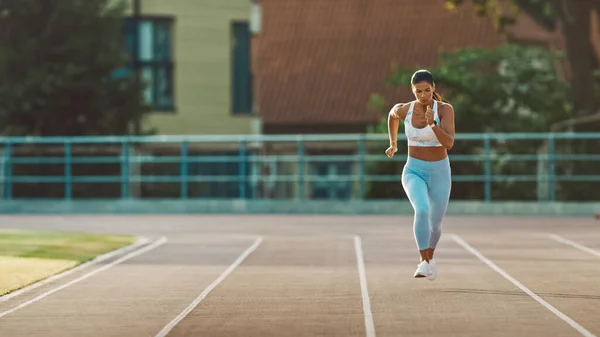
column 423, row 270
column 433, row 269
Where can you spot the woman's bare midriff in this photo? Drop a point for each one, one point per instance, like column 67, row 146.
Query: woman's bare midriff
column 434, row 153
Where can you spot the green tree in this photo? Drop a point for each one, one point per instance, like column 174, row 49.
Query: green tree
column 58, row 63
column 573, row 17
column 508, row 89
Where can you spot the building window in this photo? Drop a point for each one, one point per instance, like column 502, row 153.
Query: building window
column 241, row 90
column 154, row 58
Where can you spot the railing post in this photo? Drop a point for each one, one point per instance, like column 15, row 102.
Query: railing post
column 68, row 171
column 124, row 169
column 8, row 171
column 300, row 187
column 184, row 170
column 551, row 169
column 361, row 166
column 487, row 168
column 243, row 161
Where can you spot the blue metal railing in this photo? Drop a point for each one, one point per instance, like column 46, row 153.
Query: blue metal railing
column 238, row 169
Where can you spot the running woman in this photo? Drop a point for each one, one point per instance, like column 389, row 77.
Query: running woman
column 426, row 177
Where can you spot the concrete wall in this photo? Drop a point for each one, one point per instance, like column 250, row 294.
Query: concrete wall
column 197, row 206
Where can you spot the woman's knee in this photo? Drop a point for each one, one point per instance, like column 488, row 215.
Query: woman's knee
column 422, row 213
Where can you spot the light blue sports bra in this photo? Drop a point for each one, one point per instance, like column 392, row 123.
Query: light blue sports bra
column 424, row 137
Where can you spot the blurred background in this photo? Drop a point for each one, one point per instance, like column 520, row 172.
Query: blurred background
column 280, row 106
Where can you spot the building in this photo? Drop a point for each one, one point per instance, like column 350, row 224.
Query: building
column 195, row 55
column 316, row 64
column 291, row 67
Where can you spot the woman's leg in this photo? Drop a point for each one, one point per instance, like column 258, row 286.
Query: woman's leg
column 440, row 185
column 416, row 189
column 439, row 195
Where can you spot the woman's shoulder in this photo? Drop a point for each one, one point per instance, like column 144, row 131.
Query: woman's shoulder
column 444, row 105
column 400, row 110
column 401, row 106
column 445, row 108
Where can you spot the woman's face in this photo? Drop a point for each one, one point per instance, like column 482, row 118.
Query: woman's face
column 423, row 92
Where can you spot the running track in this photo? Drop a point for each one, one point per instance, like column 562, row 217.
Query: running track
column 318, row 276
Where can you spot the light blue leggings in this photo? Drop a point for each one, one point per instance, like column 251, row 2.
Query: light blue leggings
column 427, row 185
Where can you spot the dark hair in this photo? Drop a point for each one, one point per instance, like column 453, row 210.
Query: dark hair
column 424, row 75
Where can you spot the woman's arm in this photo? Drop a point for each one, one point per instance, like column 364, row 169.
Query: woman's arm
column 396, row 114
column 445, row 131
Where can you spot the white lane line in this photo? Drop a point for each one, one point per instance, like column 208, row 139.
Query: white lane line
column 139, row 242
column 164, row 331
column 133, row 254
column 364, row 289
column 583, row 331
column 574, row 244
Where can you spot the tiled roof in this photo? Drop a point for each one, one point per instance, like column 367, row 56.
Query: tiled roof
column 318, row 61
column 526, row 29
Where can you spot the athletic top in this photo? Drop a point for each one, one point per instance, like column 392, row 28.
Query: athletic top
column 424, row 137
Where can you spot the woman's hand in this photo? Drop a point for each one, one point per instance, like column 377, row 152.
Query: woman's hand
column 429, row 115
column 391, row 150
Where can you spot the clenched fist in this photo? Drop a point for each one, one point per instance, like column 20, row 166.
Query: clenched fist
column 391, row 150
column 429, row 115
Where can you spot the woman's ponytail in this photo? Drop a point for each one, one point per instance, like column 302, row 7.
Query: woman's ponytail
column 439, row 97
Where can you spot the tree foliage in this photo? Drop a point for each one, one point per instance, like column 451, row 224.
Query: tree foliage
column 57, row 64
column 573, row 17
column 508, row 89
column 500, row 90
